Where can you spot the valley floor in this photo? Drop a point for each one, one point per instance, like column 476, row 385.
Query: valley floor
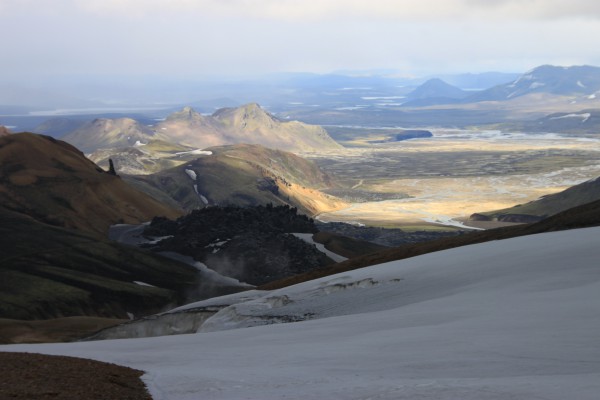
column 457, row 173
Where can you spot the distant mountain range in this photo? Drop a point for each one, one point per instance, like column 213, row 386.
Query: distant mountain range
column 564, row 81
column 245, row 124
column 576, row 80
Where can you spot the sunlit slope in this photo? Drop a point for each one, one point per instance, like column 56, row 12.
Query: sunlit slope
column 53, row 182
column 545, row 206
column 244, row 175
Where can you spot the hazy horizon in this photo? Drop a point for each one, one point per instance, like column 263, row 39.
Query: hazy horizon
column 204, row 39
column 66, row 53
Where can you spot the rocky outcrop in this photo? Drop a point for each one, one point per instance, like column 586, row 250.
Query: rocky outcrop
column 253, row 244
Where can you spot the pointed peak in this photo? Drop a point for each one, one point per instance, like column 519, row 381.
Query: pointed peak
column 186, row 113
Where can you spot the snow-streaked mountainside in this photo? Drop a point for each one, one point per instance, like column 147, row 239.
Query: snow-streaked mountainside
column 511, row 319
column 575, row 80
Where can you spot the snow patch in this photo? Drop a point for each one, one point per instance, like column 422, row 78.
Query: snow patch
column 536, row 85
column 583, row 116
column 308, row 238
column 195, row 152
column 138, row 143
column 581, row 85
column 191, row 173
column 143, row 283
column 156, row 239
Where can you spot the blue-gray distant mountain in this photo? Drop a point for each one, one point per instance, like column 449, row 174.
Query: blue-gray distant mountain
column 565, row 81
column 434, row 91
column 479, row 81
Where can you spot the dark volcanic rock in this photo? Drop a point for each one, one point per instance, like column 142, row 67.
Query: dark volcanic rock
column 479, row 217
column 252, row 244
column 413, row 134
column 519, row 218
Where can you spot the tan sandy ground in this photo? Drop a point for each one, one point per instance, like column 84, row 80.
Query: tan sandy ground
column 444, row 200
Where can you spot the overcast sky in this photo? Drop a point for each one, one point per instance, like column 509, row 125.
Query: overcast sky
column 201, row 38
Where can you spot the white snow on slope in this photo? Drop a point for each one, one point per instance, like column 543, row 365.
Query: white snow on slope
column 583, row 116
column 195, row 152
column 192, row 174
column 143, row 283
column 308, row 238
column 512, row 319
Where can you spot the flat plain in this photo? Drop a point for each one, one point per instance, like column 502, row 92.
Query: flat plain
column 421, row 183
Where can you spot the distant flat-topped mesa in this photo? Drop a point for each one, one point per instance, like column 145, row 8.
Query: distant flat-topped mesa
column 246, row 124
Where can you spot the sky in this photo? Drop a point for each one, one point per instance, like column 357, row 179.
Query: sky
column 192, row 39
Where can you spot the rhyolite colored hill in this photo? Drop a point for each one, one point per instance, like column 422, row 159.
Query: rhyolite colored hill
column 245, row 124
column 144, row 159
column 105, row 132
column 243, row 175
column 52, row 181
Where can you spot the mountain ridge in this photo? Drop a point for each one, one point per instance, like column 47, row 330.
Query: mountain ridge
column 245, row 124
column 574, row 80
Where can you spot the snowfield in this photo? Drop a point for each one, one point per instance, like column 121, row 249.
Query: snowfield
column 512, row 319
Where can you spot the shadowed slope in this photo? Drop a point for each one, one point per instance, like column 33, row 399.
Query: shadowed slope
column 48, row 272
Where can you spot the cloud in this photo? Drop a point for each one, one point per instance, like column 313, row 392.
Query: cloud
column 331, row 9
column 305, row 10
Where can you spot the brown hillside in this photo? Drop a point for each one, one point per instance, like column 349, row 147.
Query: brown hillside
column 53, row 182
column 4, row 131
column 105, row 133
column 243, row 175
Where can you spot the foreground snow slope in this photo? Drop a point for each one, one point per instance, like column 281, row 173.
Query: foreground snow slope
column 513, row 319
